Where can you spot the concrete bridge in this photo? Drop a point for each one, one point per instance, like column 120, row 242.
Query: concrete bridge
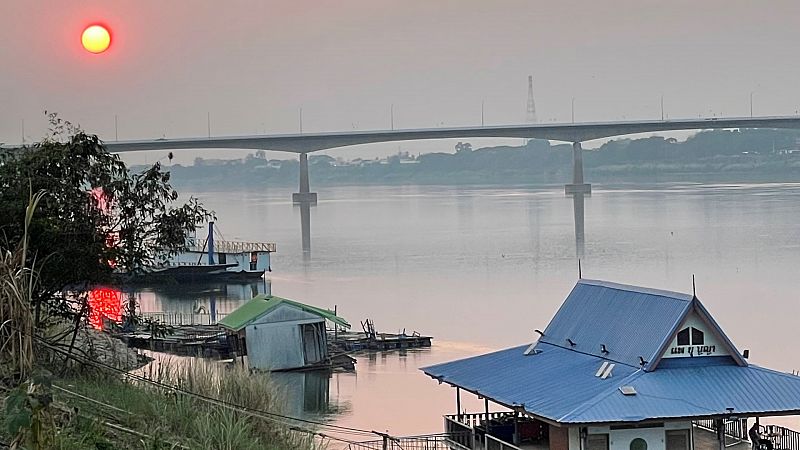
column 576, row 133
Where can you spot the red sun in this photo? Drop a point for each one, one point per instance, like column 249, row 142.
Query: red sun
column 96, row 38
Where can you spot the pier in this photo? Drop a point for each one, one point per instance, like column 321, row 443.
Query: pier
column 200, row 335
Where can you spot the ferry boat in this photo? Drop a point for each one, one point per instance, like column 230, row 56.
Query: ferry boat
column 207, row 259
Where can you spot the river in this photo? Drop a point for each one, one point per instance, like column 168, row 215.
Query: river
column 480, row 268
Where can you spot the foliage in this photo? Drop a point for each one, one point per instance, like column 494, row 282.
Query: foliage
column 27, row 412
column 96, row 219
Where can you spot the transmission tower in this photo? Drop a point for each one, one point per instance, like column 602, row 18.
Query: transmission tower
column 531, row 116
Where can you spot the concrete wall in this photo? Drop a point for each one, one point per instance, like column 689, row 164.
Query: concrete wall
column 620, row 439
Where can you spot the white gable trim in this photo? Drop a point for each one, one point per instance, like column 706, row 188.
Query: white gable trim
column 698, row 313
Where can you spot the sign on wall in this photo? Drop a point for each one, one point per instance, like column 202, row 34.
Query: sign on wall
column 695, row 339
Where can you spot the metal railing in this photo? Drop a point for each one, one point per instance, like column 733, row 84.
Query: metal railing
column 469, row 431
column 463, row 435
column 233, row 246
column 496, row 444
column 474, row 419
column 782, row 438
column 736, row 428
column 179, row 318
column 429, row 442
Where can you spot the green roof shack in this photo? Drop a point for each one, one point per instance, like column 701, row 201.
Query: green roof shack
column 281, row 334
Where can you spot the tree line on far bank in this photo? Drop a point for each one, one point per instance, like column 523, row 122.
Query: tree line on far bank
column 733, row 153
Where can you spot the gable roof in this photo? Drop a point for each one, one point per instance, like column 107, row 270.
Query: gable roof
column 560, row 385
column 262, row 304
column 559, row 381
column 632, row 322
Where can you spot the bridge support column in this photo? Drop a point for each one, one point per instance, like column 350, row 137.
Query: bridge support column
column 577, row 186
column 305, row 195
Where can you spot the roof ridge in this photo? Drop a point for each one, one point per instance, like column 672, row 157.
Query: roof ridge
column 641, row 289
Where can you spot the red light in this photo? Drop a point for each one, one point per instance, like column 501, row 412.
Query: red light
column 104, row 303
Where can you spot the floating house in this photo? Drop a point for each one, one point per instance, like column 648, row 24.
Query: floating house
column 280, row 334
column 620, row 368
column 212, row 259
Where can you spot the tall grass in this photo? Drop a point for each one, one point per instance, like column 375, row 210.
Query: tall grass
column 192, row 422
column 17, row 283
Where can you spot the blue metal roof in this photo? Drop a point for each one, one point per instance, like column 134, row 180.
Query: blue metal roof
column 559, row 381
column 549, row 384
column 630, row 321
column 694, row 391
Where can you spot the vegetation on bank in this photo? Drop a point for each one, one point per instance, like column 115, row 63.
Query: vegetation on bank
column 70, row 213
column 715, row 155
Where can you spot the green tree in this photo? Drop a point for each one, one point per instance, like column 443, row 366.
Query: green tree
column 96, row 223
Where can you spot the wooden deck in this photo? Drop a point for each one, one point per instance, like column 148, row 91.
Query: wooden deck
column 355, row 341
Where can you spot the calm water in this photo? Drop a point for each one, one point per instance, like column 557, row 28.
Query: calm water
column 481, row 268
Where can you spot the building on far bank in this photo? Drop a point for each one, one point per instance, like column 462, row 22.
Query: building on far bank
column 620, row 368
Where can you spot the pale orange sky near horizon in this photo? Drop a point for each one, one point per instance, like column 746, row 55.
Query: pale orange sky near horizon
column 252, row 65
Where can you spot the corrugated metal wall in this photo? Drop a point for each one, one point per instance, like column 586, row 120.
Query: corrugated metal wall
column 275, row 346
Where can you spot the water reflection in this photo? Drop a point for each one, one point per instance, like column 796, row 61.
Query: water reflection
column 214, row 299
column 305, row 229
column 580, row 240
column 306, row 393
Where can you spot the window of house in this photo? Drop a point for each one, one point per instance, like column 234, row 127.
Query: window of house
column 638, row 444
column 697, row 337
column 683, row 337
column 691, row 336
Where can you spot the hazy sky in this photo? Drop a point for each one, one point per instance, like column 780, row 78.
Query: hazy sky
column 253, row 64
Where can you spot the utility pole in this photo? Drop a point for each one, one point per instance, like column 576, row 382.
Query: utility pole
column 573, row 109
column 662, row 107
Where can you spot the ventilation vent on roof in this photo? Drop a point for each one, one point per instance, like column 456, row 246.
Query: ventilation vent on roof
column 627, row 390
column 531, row 350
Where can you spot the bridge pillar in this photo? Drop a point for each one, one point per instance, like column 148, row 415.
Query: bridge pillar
column 305, row 195
column 577, row 186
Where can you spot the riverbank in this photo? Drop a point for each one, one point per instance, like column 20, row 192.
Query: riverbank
column 193, row 404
